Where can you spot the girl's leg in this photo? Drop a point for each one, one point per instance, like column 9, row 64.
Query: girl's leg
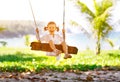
column 54, row 48
column 65, row 49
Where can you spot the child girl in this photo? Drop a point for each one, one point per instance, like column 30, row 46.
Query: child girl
column 53, row 39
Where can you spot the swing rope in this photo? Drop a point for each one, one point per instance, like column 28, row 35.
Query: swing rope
column 37, row 33
column 64, row 21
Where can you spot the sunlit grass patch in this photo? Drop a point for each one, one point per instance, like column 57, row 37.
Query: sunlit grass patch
column 24, row 59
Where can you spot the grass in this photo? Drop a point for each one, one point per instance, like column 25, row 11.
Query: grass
column 24, row 59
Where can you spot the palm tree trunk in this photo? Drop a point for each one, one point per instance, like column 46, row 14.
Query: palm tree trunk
column 98, row 45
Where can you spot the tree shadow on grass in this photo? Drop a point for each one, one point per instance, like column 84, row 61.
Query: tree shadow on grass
column 114, row 55
column 19, row 56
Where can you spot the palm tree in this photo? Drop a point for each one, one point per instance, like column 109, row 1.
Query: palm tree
column 99, row 20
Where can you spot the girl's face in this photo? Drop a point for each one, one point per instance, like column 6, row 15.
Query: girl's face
column 51, row 27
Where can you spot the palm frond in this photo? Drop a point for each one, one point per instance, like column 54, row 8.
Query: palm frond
column 106, row 4
column 107, row 29
column 105, row 14
column 85, row 9
column 110, row 42
column 99, row 22
column 74, row 23
column 97, row 8
column 81, row 28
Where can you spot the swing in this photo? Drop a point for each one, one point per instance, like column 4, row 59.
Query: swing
column 45, row 46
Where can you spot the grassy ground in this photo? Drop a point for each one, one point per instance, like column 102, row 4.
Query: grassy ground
column 23, row 60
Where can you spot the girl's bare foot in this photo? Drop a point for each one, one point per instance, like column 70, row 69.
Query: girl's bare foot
column 67, row 56
column 57, row 52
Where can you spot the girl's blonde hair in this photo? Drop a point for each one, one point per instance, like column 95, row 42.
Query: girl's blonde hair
column 51, row 22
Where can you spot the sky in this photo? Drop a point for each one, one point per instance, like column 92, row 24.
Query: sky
column 44, row 10
column 48, row 10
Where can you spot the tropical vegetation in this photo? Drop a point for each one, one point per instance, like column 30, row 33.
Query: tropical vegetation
column 98, row 18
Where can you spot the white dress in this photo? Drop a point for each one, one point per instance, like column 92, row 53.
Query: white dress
column 57, row 39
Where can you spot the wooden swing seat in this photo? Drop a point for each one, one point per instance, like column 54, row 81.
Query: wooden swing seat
column 46, row 47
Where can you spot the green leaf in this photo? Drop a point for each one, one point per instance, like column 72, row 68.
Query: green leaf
column 110, row 42
column 85, row 9
column 97, row 8
column 106, row 4
column 107, row 28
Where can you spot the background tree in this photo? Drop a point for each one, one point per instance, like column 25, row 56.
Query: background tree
column 99, row 20
column 3, row 43
column 1, row 28
column 27, row 40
